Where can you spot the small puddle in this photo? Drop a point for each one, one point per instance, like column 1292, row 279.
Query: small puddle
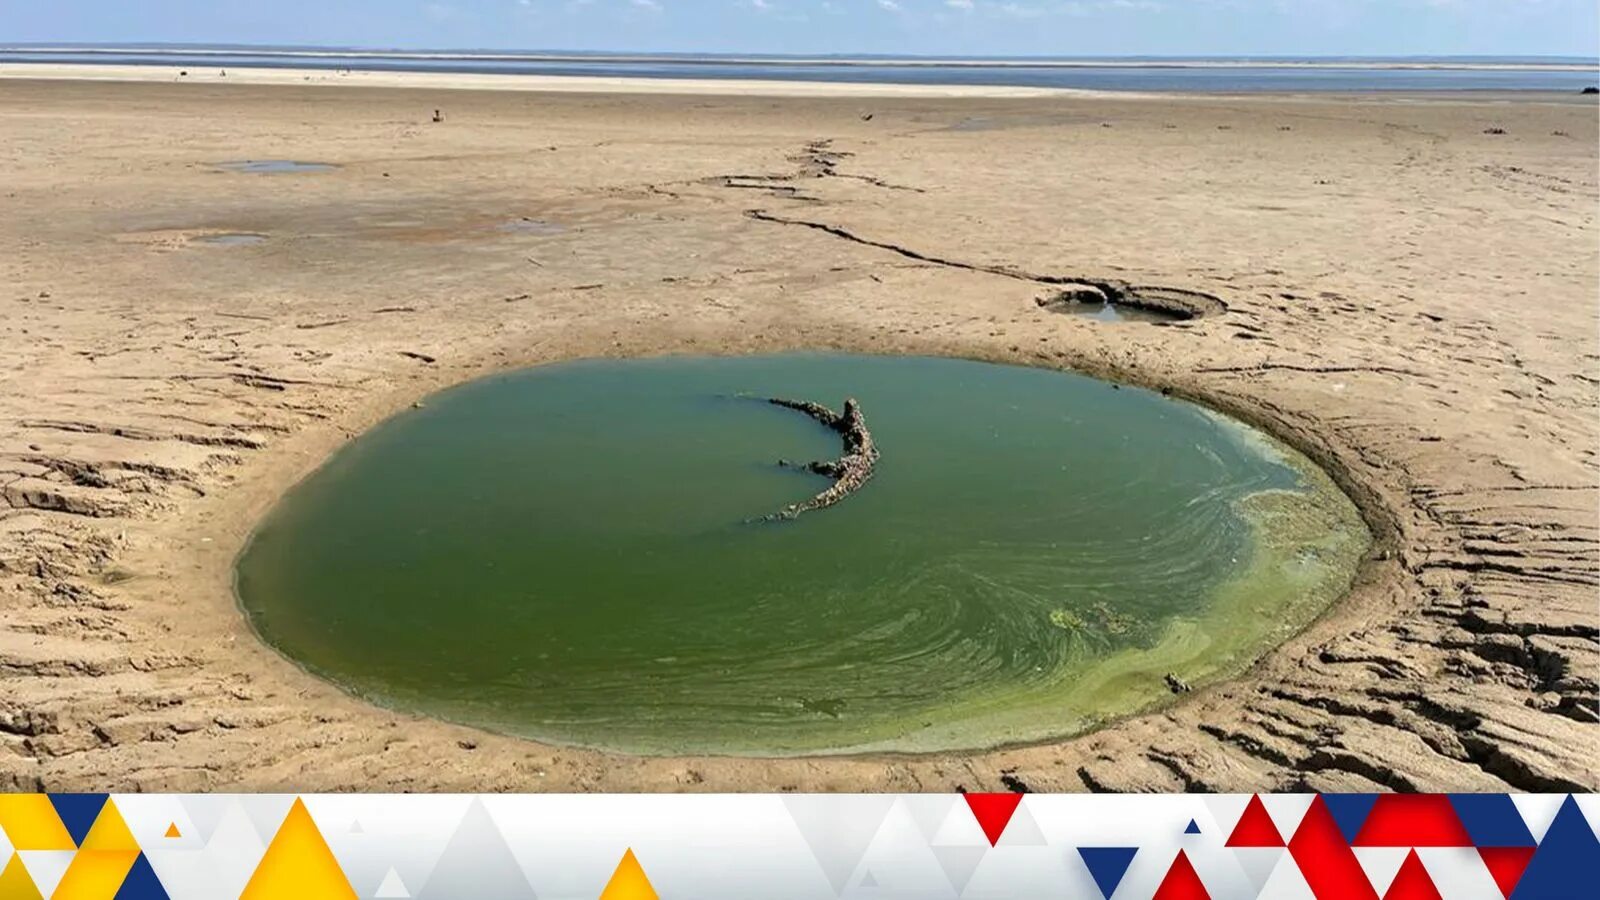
column 1116, row 312
column 526, row 225
column 274, row 166
column 232, row 239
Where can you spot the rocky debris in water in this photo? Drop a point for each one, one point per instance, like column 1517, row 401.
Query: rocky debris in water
column 850, row 471
column 1177, row 685
column 1074, row 293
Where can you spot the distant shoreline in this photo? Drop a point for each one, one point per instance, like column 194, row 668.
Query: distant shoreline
column 1466, row 64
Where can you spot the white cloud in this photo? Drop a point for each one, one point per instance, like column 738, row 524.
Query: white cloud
column 890, row 5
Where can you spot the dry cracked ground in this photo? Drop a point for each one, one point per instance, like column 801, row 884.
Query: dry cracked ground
column 1406, row 290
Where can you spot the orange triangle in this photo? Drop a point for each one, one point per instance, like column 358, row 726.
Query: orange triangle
column 1412, row 882
column 1182, row 882
column 628, row 882
column 298, row 864
column 1255, row 828
column 172, row 831
column 110, row 832
column 15, row 883
column 96, row 873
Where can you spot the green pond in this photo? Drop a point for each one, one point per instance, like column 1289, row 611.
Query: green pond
column 577, row 553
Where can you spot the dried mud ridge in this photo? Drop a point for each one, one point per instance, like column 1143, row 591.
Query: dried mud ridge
column 1179, row 303
column 850, row 471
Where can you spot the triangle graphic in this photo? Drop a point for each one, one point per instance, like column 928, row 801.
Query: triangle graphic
column 1258, row 863
column 869, row 880
column 1023, row 830
column 96, row 873
column 1412, row 882
column 298, row 864
column 141, row 883
column 30, row 822
column 993, row 812
column 205, row 813
column 1538, row 811
column 78, row 811
column 628, row 882
column 959, row 864
column 1192, row 828
column 1381, row 864
column 266, row 812
column 1182, row 882
column 1325, row 859
column 838, row 828
column 1564, row 861
column 46, row 867
column 1107, row 865
column 476, row 862
column 172, row 831
column 1492, row 820
column 355, row 827
column 1506, row 865
column 1288, row 883
column 1287, row 810
column 110, row 831
column 928, row 811
column 1255, row 828
column 1349, row 812
column 1413, row 820
column 15, row 884
column 392, row 886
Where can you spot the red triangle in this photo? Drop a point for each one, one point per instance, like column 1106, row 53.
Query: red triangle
column 1506, row 864
column 1182, row 882
column 1412, row 882
column 1255, row 828
column 1412, row 820
column 993, row 812
column 1329, row 865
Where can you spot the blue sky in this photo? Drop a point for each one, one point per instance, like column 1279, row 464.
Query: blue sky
column 980, row 27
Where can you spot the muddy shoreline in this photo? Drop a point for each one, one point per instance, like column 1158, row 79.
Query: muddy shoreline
column 167, row 427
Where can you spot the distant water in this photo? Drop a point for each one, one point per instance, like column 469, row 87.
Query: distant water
column 1133, row 74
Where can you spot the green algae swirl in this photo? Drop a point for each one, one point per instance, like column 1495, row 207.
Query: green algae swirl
column 574, row 553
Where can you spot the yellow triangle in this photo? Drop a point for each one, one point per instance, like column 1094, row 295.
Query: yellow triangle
column 15, row 883
column 172, row 831
column 628, row 882
column 30, row 821
column 109, row 831
column 95, row 874
column 298, row 864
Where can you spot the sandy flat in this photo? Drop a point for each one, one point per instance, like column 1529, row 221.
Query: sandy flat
column 1410, row 298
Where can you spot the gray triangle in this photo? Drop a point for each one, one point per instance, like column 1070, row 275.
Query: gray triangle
column 355, row 827
column 838, row 828
column 868, row 880
column 959, row 864
column 1258, row 863
column 1022, row 830
column 392, row 886
column 477, row 863
column 204, row 811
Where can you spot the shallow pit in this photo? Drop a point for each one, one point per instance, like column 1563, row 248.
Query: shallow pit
column 578, row 553
column 274, row 166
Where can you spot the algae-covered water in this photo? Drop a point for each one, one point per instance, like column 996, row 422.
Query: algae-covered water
column 575, row 553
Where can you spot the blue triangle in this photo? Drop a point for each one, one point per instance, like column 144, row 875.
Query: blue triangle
column 1349, row 812
column 1107, row 865
column 1193, row 828
column 78, row 812
column 1492, row 820
column 141, row 883
column 1564, row 862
